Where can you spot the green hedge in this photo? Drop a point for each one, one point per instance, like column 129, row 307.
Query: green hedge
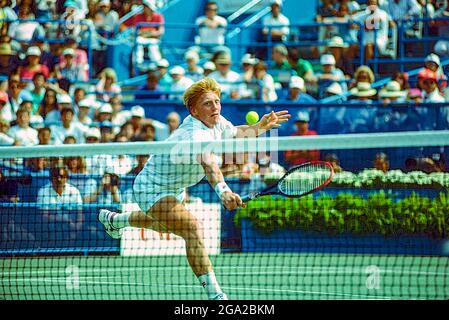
column 348, row 213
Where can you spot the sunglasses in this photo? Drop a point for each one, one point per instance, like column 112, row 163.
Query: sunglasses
column 62, row 176
column 211, row 9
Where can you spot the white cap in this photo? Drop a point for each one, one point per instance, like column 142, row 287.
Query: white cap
column 68, row 51
column 93, row 132
column 278, row 2
column 191, row 55
column 297, row 82
column 105, row 108
column 302, row 116
column 150, row 4
column 33, row 51
column 163, row 63
column 249, row 59
column 327, row 59
column 85, row 103
column 433, row 58
column 137, row 111
column 209, row 65
column 177, row 70
column 107, row 2
column 63, row 98
column 335, row 88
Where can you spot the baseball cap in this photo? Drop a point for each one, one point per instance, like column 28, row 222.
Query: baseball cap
column 337, row 42
column 87, row 103
column 3, row 96
column 163, row 63
column 433, row 58
column 105, row 108
column 177, row 70
column 150, row 4
column 104, row 2
column 33, row 51
column 248, row 59
column 278, row 2
column 26, row 95
column 106, row 124
column 191, row 55
column 137, row 111
column 335, row 88
column 72, row 4
column 302, row 116
column 327, row 59
column 281, row 49
column 297, row 82
column 209, row 65
column 68, row 51
column 63, row 98
column 93, row 132
column 427, row 74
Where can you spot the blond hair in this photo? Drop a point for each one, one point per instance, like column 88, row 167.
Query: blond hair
column 196, row 90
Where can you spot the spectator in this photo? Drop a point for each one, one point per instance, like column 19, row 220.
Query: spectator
column 165, row 80
column 47, row 57
column 415, row 95
column 432, row 63
column 22, row 32
column 84, row 111
column 297, row 157
column 108, row 191
column 430, row 87
column 297, row 92
column 70, row 139
column 180, row 82
column 73, row 12
column 208, row 68
column 230, row 81
column 148, row 36
column 173, row 122
column 337, row 47
column 276, row 25
column 152, row 88
column 92, row 135
column 27, row 103
column 403, row 9
column 266, row 83
column 119, row 116
column 44, row 136
column 33, row 65
column 54, row 116
column 22, row 132
column 362, row 74
column 325, row 10
column 69, row 69
column 335, row 90
column 15, row 87
column 5, row 139
column 392, row 93
column 68, row 127
column 78, row 94
column 104, row 113
column 106, row 19
column 334, row 161
column 8, row 60
column 329, row 74
column 402, row 79
column 5, row 110
column 141, row 161
column 148, row 132
column 57, row 196
column 247, row 63
column 38, row 91
column 193, row 71
column 376, row 24
column 107, row 133
column 211, row 28
column 38, row 165
column 266, row 165
column 7, row 13
column 80, row 57
column 137, row 120
column 381, row 162
column 127, row 130
column 281, row 68
column 48, row 103
column 302, row 67
column 363, row 93
column 75, row 165
column 107, row 86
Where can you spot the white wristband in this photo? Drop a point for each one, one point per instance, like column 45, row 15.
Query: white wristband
column 221, row 187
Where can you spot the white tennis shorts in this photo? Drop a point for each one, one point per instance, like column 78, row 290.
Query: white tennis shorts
column 146, row 193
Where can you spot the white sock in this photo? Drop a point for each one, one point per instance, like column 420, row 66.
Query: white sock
column 210, row 284
column 121, row 220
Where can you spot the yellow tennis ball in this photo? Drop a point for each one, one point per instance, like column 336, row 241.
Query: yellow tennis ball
column 252, row 117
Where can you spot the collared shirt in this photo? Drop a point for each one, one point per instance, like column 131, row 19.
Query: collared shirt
column 434, row 96
column 211, row 35
column 48, row 198
column 26, row 136
column 281, row 22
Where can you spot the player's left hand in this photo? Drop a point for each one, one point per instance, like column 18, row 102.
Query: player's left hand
column 273, row 119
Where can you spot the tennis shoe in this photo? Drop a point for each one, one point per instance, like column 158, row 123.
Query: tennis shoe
column 105, row 217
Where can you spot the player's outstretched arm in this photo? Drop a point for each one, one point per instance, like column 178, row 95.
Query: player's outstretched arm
column 269, row 121
column 229, row 199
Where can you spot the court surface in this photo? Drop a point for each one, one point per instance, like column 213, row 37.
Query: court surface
column 241, row 275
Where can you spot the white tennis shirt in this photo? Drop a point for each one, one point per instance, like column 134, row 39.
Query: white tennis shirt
column 175, row 171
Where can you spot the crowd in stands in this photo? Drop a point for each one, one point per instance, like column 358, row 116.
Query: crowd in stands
column 49, row 93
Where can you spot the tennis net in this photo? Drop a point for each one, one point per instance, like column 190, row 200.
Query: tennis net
column 379, row 230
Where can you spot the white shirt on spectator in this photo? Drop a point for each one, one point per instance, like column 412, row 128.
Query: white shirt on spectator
column 26, row 136
column 180, row 87
column 48, row 198
column 211, row 35
column 281, row 21
column 232, row 81
column 6, row 140
column 268, row 86
column 376, row 27
column 23, row 31
column 53, row 117
column 76, row 129
column 6, row 113
column 402, row 10
column 434, row 96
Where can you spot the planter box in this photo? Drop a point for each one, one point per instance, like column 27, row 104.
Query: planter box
column 254, row 240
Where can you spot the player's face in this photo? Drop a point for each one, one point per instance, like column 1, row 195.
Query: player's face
column 207, row 109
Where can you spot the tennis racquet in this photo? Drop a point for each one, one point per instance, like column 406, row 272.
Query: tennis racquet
column 299, row 181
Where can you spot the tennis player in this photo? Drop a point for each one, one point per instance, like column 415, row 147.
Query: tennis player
column 159, row 189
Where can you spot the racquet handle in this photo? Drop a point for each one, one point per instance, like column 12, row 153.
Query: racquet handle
column 248, row 197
